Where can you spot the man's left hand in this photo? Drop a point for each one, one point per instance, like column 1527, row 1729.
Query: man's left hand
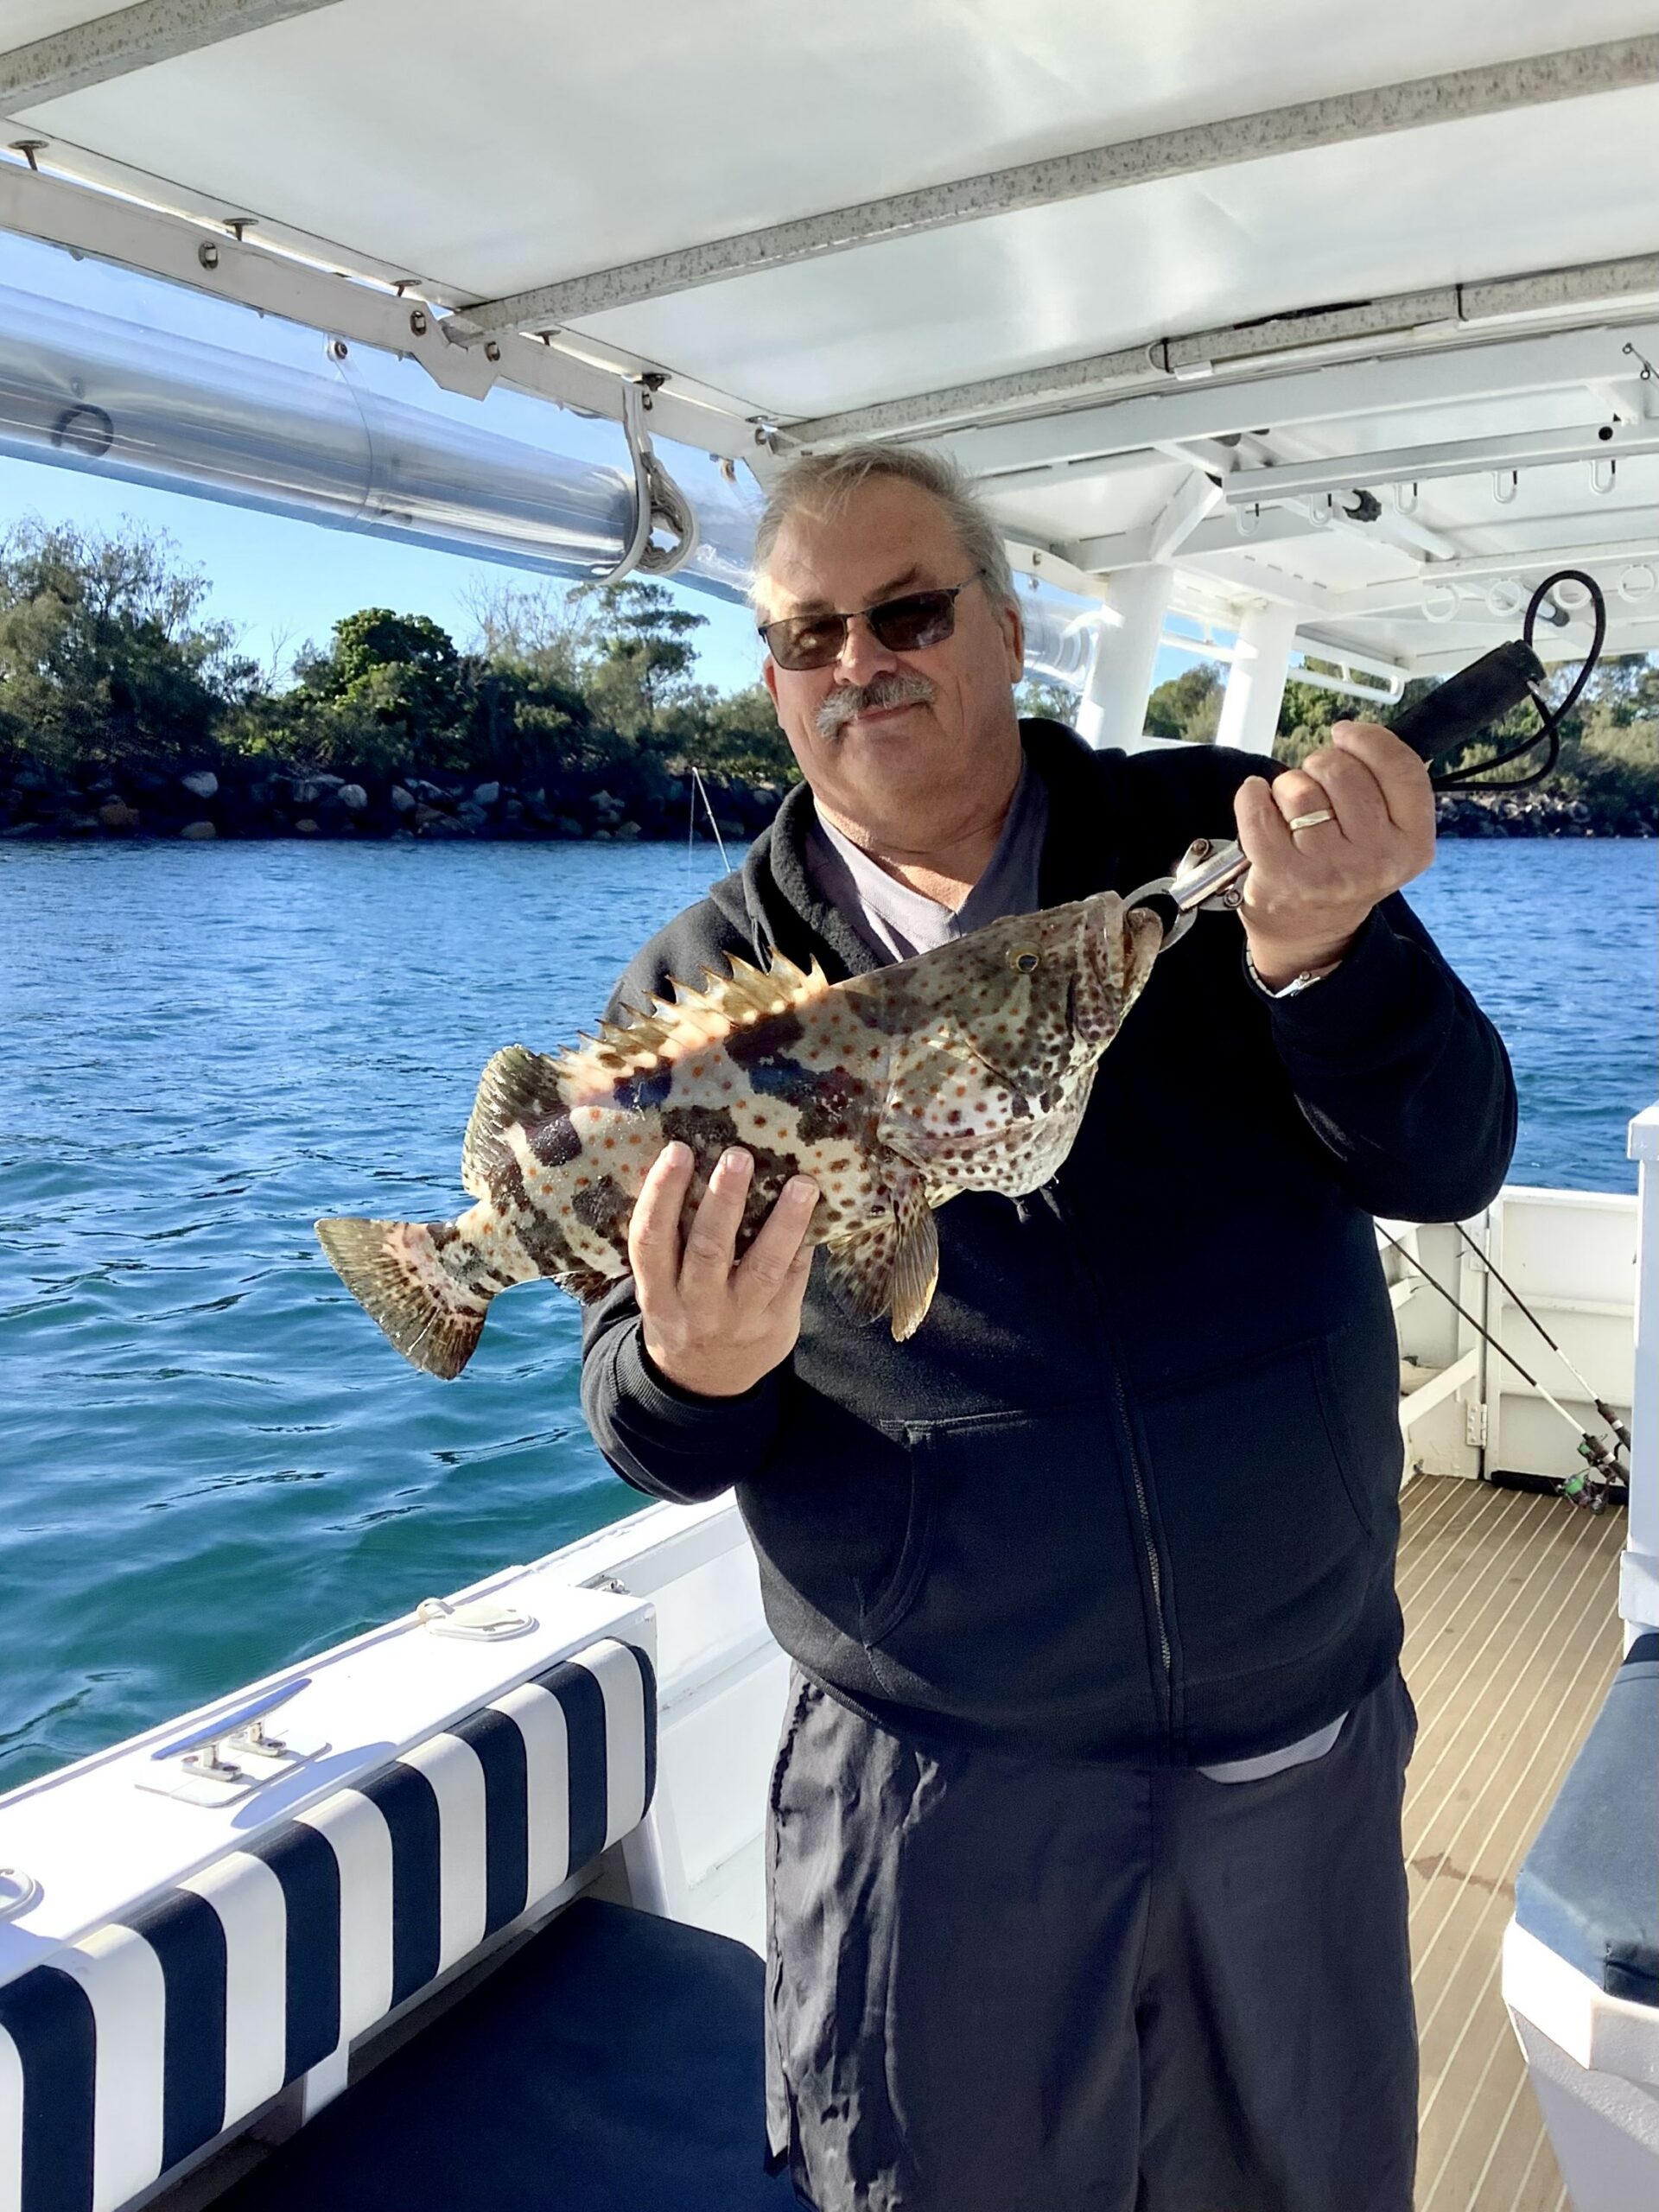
column 1308, row 891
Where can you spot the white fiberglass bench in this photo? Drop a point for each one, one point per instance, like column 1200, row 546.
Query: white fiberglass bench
column 1581, row 1956
column 452, row 1788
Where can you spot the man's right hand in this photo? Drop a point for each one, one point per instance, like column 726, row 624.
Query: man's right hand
column 713, row 1324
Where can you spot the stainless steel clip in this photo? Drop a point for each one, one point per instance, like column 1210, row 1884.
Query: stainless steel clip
column 1207, row 874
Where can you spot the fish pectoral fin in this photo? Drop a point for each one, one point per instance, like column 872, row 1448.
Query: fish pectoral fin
column 585, row 1283
column 915, row 1260
column 516, row 1085
column 891, row 1265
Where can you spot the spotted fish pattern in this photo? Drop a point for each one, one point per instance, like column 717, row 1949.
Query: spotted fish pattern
column 966, row 1068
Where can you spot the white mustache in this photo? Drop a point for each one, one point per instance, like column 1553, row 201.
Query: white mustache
column 848, row 701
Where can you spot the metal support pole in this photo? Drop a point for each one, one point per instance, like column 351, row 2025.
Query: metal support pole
column 1113, row 709
column 1638, row 1580
column 1255, row 681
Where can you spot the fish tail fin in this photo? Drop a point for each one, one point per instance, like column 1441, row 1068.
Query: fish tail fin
column 393, row 1269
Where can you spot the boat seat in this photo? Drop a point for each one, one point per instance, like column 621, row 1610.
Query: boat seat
column 125, row 2052
column 1589, row 1887
column 613, row 2065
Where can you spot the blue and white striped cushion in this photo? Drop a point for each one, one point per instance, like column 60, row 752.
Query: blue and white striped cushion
column 134, row 2046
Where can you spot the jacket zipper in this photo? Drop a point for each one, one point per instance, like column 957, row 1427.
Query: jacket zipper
column 1154, row 1565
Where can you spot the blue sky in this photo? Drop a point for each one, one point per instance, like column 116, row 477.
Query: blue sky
column 284, row 583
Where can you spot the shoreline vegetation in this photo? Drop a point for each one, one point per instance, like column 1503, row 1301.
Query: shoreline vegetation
column 125, row 714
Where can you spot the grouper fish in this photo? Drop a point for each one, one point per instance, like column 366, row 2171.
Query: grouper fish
column 966, row 1068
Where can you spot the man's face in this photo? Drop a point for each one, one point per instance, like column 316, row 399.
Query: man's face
column 913, row 777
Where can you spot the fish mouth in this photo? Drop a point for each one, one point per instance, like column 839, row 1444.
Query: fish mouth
column 1103, row 971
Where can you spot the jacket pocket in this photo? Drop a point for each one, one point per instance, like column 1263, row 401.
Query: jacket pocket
column 886, row 1605
column 1017, row 1594
column 1265, row 1509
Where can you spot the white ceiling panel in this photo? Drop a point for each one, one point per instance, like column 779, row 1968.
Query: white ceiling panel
column 1055, row 509
column 500, row 144
column 1486, row 198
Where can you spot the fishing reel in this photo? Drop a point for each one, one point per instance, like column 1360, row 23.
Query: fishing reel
column 1448, row 718
column 1605, row 1478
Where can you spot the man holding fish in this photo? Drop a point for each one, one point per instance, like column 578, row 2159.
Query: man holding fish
column 1085, row 1861
column 1084, row 1855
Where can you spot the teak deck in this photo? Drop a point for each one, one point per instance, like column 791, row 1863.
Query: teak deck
column 1512, row 1634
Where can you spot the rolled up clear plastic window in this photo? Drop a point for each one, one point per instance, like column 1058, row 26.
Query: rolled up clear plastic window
column 94, row 391
column 1058, row 633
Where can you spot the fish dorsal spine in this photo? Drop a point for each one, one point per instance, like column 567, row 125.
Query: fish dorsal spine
column 693, row 1020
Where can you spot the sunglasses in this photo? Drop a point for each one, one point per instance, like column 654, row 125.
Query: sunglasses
column 903, row 626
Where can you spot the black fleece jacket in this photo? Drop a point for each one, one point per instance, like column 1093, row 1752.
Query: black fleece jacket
column 1130, row 1492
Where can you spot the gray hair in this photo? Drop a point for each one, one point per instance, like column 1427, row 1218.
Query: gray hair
column 821, row 485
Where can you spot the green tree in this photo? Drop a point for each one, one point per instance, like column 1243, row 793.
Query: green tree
column 635, row 649
column 105, row 656
column 1625, row 688
column 734, row 735
column 1047, row 701
column 1307, row 712
column 1188, row 705
column 395, row 667
column 389, row 693
column 540, row 628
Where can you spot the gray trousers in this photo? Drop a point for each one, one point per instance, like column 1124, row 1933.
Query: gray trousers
column 1000, row 1983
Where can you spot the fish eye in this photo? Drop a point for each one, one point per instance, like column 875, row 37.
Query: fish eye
column 1025, row 958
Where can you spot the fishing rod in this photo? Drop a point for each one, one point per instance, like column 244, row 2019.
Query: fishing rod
column 700, row 790
column 1603, row 1470
column 1601, row 1405
column 1449, row 717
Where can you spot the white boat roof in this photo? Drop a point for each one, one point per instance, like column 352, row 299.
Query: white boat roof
column 1179, row 285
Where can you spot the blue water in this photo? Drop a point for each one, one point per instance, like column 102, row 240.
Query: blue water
column 212, row 1463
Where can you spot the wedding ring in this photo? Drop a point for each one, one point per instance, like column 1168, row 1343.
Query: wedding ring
column 1311, row 821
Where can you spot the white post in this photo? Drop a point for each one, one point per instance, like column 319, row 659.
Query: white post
column 1255, row 681
column 1113, row 709
column 1638, row 1580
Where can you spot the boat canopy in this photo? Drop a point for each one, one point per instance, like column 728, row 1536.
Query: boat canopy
column 1331, row 329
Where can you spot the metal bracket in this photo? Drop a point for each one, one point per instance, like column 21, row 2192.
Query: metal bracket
column 657, row 496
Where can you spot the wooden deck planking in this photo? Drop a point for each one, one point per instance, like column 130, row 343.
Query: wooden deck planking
column 1512, row 1636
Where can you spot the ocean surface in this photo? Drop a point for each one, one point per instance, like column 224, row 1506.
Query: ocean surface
column 210, row 1462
